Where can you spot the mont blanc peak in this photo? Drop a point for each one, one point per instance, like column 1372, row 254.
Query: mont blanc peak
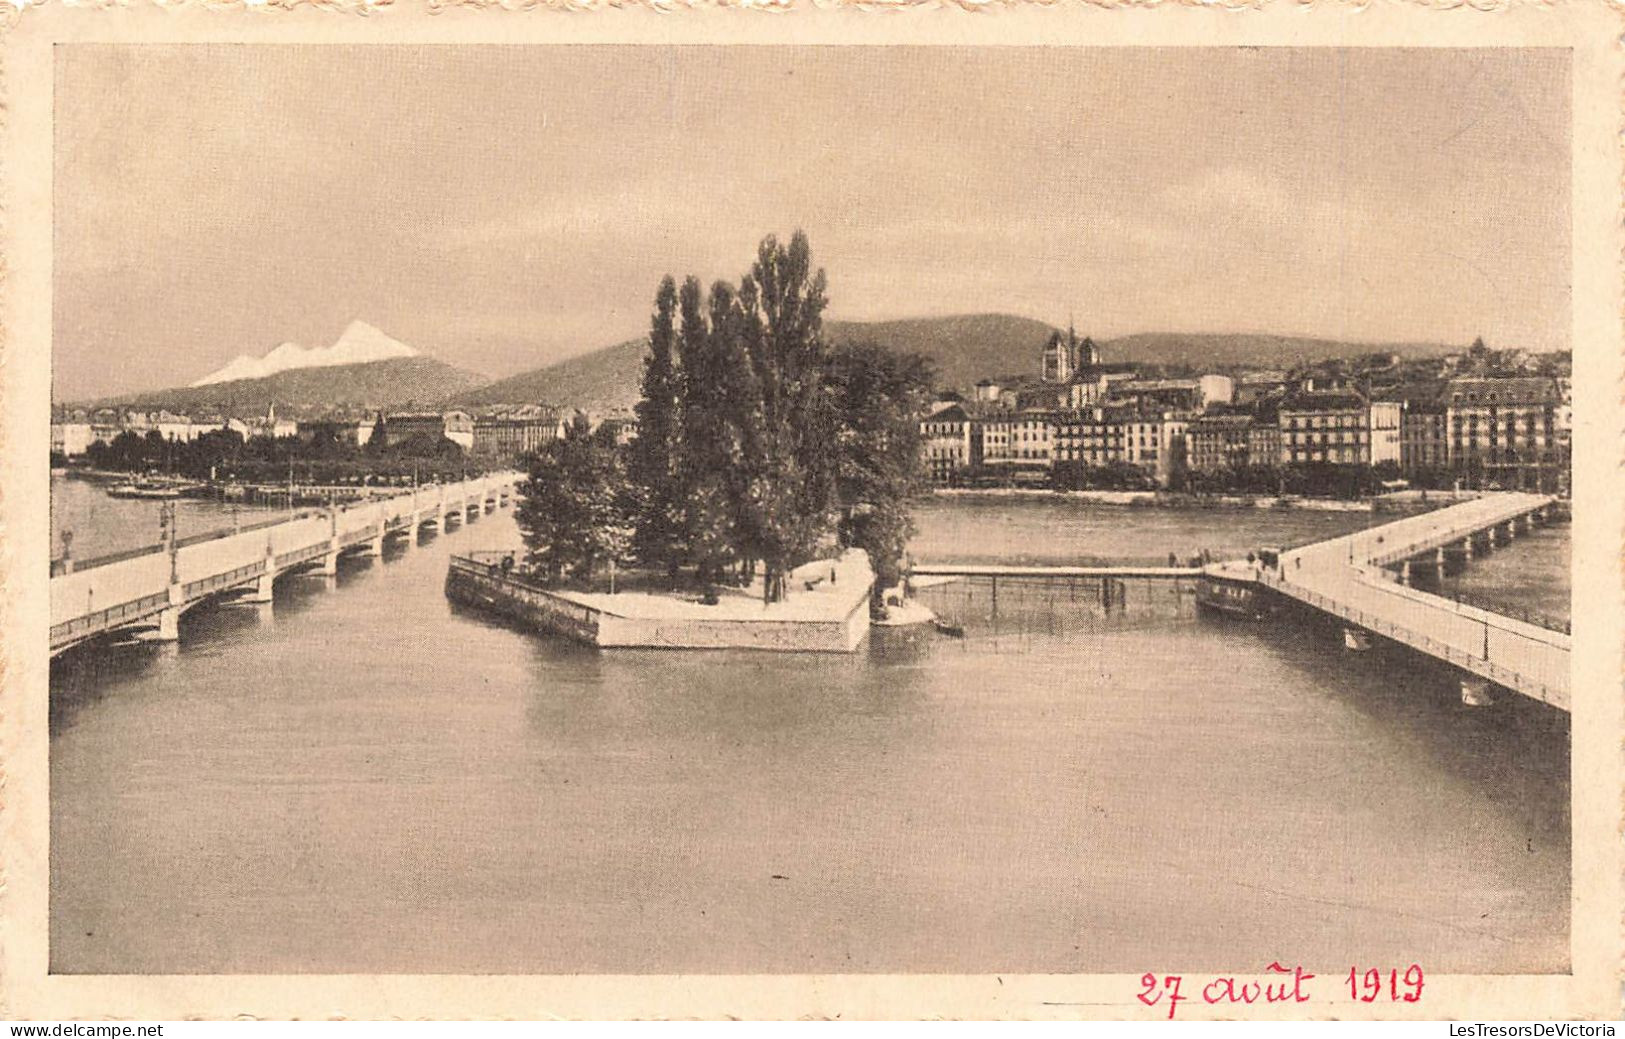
column 360, row 343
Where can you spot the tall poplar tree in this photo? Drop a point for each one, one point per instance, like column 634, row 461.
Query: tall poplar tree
column 705, row 444
column 792, row 469
column 652, row 457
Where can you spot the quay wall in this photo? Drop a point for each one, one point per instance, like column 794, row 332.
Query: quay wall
column 837, row 628
column 486, row 587
column 840, row 634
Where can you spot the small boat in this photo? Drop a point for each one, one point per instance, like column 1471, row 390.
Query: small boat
column 1233, row 598
column 145, row 489
column 949, row 628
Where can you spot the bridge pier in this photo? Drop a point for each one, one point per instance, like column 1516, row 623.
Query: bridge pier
column 1475, row 692
column 329, row 565
column 1356, row 639
column 169, row 619
column 262, row 588
column 1405, row 573
column 1467, row 547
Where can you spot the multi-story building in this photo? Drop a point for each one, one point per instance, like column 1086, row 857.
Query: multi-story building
column 1155, row 442
column 1217, row 442
column 354, row 431
column 517, row 431
column 1264, row 444
column 990, row 436
column 1032, row 437
column 411, row 425
column 1328, row 426
column 1085, row 437
column 1385, row 432
column 1424, row 441
column 1506, row 430
column 945, row 434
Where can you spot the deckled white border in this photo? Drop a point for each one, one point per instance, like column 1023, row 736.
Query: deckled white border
column 1591, row 27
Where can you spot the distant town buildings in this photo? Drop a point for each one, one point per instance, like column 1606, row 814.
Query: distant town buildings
column 1487, row 417
column 1481, row 417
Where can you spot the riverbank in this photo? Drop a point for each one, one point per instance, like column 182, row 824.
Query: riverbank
column 1397, row 501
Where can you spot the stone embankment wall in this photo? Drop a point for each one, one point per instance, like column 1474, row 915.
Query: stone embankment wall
column 837, row 625
column 487, row 587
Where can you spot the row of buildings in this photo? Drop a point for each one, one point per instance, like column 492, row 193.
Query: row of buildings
column 1510, row 430
column 497, row 434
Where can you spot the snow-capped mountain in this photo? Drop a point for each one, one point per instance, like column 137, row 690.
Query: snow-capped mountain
column 361, row 343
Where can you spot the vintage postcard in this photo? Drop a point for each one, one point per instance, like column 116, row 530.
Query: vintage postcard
column 1047, row 512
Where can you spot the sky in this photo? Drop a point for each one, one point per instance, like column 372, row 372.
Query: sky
column 501, row 208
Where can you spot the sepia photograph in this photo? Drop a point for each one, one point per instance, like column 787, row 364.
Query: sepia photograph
column 682, row 508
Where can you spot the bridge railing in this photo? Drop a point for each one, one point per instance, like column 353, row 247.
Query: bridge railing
column 1423, row 533
column 1548, row 687
column 1518, row 613
column 127, row 578
column 1519, row 656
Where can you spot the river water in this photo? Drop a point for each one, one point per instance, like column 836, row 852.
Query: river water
column 364, row 778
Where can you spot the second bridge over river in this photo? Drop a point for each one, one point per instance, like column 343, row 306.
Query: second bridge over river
column 148, row 589
column 1363, row 579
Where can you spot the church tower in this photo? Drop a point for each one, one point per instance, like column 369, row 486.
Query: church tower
column 1088, row 353
column 1057, row 359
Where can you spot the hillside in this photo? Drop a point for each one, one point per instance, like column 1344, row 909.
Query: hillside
column 1210, row 351
column 965, row 349
column 401, row 381
column 606, row 379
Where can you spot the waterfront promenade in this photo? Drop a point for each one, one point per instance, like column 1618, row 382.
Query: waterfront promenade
column 148, row 589
column 1350, row 578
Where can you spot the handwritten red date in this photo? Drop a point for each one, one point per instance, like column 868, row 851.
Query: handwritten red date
column 1279, row 985
column 1229, row 990
column 1368, row 987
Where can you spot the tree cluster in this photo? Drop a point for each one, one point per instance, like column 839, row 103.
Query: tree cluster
column 757, row 446
column 225, row 454
column 1300, row 479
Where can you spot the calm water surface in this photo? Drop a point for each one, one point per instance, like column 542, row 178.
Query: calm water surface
column 102, row 525
column 364, row 778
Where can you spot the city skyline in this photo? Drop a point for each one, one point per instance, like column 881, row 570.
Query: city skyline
column 1404, row 197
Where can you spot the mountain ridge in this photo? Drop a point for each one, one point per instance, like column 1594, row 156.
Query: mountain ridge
column 965, row 348
column 359, row 343
column 418, row 380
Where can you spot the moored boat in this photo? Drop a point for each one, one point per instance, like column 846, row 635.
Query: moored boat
column 1233, row 598
column 145, row 489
